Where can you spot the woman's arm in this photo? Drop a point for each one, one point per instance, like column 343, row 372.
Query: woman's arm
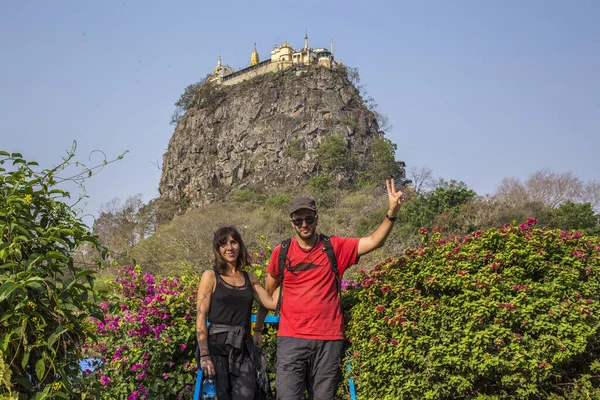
column 262, row 296
column 205, row 290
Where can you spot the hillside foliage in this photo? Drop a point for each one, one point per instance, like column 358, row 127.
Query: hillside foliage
column 504, row 313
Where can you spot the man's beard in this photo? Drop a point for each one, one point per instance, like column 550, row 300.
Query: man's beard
column 306, row 236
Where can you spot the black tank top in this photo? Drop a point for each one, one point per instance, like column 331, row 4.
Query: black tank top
column 229, row 305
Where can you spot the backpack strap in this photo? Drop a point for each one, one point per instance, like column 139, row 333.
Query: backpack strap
column 281, row 260
column 328, row 249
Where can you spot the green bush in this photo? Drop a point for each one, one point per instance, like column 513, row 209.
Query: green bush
column 320, row 184
column 571, row 215
column 248, row 196
column 278, row 202
column 146, row 338
column 45, row 298
column 146, row 335
column 380, row 162
column 505, row 313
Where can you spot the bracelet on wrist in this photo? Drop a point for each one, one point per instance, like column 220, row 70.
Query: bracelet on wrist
column 391, row 218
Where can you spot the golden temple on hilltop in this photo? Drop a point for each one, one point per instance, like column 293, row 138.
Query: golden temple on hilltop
column 282, row 57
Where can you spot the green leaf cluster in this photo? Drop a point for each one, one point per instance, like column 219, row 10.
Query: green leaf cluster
column 425, row 207
column 45, row 298
column 504, row 313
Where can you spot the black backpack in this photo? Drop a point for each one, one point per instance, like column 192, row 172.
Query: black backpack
column 283, row 264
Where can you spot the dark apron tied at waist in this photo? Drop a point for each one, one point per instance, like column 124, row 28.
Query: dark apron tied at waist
column 237, row 339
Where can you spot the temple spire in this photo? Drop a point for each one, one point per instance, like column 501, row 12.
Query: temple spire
column 254, row 59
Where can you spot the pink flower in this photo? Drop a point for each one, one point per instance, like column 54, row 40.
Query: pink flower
column 182, row 347
column 345, row 284
column 104, row 380
column 149, row 279
column 394, row 341
column 374, row 339
column 133, row 396
column 165, row 376
column 135, row 367
column 143, row 390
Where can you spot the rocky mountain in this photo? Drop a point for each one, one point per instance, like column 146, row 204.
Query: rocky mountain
column 263, row 133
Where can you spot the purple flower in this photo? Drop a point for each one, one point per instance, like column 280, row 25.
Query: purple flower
column 104, row 380
column 133, row 396
column 149, row 279
column 165, row 376
column 345, row 284
column 182, row 347
column 143, row 390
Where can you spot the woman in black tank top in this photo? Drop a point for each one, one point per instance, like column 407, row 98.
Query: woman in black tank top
column 225, row 297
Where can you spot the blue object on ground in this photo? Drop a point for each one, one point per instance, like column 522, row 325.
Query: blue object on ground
column 351, row 384
column 198, row 388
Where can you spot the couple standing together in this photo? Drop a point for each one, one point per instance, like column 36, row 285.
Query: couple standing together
column 308, row 271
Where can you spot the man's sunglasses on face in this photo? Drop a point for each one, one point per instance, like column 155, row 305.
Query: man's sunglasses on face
column 309, row 220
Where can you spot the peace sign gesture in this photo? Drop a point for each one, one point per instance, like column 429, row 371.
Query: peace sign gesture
column 377, row 238
column 394, row 197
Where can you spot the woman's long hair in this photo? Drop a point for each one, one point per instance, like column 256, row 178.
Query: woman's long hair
column 220, row 238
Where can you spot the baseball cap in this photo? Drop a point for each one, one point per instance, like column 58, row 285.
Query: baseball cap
column 302, row 203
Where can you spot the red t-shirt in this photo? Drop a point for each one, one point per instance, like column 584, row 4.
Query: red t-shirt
column 310, row 307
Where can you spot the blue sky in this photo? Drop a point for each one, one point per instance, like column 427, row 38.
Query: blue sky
column 475, row 90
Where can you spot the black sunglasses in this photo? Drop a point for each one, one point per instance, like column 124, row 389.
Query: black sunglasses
column 309, row 220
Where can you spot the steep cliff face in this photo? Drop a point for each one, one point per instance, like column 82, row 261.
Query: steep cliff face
column 263, row 133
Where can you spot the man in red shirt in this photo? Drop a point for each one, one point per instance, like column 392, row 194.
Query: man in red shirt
column 311, row 327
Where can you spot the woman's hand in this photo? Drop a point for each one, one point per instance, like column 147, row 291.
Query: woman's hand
column 257, row 339
column 206, row 364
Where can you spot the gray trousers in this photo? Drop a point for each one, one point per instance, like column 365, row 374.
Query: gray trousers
column 311, row 365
